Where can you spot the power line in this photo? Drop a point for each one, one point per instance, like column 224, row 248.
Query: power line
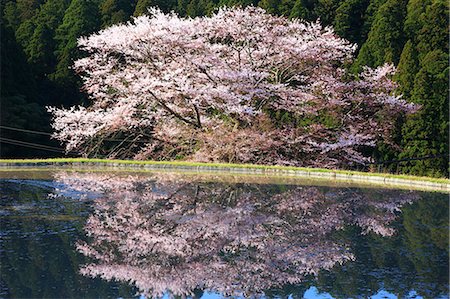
column 32, row 145
column 26, row 131
column 50, row 134
column 138, row 141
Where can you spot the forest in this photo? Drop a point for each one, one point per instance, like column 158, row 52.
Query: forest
column 39, row 47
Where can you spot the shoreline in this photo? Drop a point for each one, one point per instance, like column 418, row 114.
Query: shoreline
column 429, row 183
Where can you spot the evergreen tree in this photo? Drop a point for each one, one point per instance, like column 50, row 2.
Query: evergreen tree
column 325, row 10
column 142, row 6
column 434, row 33
column 197, row 8
column 271, row 6
column 407, row 69
column 24, row 33
column 19, row 98
column 28, row 8
column 286, row 7
column 11, row 15
column 349, row 19
column 303, row 9
column 116, row 11
column 37, row 36
column 242, row 3
column 415, row 17
column 386, row 38
column 369, row 16
column 80, row 18
column 426, row 132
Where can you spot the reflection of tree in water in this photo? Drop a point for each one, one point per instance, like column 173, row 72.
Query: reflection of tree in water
column 172, row 234
column 37, row 259
column 415, row 258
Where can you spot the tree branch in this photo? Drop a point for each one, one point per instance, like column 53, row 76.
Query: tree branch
column 174, row 113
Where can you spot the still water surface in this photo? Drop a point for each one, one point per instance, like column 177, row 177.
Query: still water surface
column 122, row 235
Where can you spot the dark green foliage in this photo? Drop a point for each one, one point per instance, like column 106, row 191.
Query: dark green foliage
column 325, row 10
column 434, row 33
column 271, row 6
column 242, row 3
column 407, row 69
column 37, row 35
column 197, row 8
column 21, row 106
column 81, row 18
column 116, row 11
column 11, row 15
column 369, row 16
column 349, row 19
column 143, row 5
column 415, row 17
column 386, row 38
column 28, row 8
column 426, row 132
column 304, row 9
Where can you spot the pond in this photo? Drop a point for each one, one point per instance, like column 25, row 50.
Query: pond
column 94, row 234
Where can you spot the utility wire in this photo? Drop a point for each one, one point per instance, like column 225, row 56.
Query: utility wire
column 124, row 140
column 26, row 131
column 32, row 145
column 50, row 134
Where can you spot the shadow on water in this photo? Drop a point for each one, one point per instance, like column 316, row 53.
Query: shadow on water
column 96, row 235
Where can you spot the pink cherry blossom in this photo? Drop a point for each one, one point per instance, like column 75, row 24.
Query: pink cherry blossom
column 189, row 87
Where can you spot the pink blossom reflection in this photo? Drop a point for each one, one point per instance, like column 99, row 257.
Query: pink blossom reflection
column 170, row 234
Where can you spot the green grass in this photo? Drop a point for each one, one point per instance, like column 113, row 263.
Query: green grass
column 223, row 166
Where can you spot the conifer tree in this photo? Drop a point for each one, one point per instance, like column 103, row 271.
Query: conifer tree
column 197, row 8
column 407, row 69
column 415, row 17
column 116, row 11
column 27, row 9
column 242, row 3
column 386, row 38
column 349, row 19
column 19, row 96
column 80, row 19
column 434, row 33
column 11, row 15
column 37, row 36
column 303, row 9
column 426, row 132
column 271, row 6
column 369, row 16
column 325, row 10
column 142, row 6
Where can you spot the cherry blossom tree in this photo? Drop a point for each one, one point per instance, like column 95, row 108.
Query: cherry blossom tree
column 170, row 233
column 239, row 86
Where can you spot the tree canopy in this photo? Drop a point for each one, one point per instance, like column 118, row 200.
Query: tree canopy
column 182, row 86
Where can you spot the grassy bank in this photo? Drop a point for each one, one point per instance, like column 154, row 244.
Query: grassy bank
column 217, row 166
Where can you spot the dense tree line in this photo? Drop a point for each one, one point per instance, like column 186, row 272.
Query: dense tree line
column 39, row 46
